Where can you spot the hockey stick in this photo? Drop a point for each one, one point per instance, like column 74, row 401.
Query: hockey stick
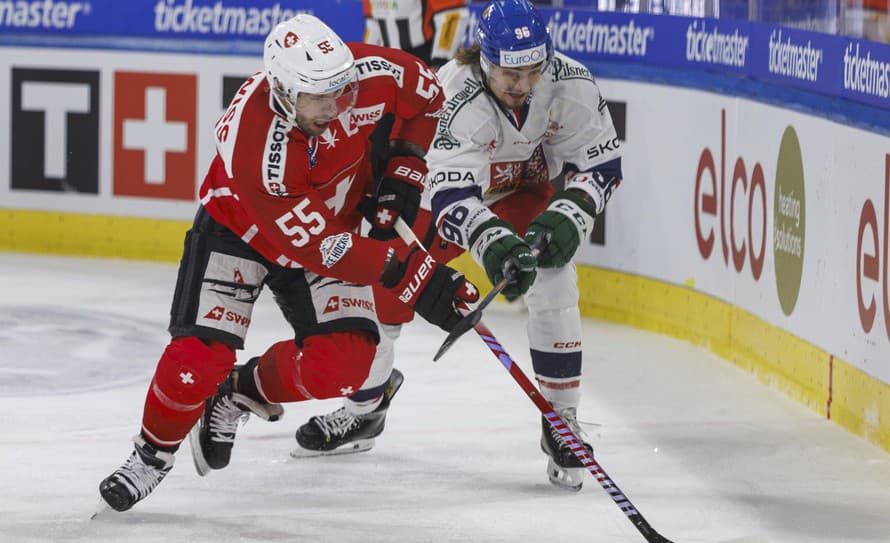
column 473, row 317
column 576, row 445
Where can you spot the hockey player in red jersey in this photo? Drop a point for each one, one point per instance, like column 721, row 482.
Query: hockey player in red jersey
column 280, row 208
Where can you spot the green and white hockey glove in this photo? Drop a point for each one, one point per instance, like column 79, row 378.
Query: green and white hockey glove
column 497, row 248
column 566, row 221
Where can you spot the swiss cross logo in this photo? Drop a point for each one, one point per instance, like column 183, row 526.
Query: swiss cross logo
column 384, row 217
column 471, row 290
column 216, row 313
column 239, row 279
column 290, row 40
column 332, row 305
column 154, row 135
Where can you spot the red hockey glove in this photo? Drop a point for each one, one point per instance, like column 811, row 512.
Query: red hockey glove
column 398, row 195
column 431, row 288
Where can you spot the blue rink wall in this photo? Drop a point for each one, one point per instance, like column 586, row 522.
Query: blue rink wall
column 752, row 219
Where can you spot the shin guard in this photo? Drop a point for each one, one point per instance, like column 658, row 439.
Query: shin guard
column 187, row 374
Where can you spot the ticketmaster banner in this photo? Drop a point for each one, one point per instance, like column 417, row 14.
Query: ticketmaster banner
column 823, row 64
column 830, row 65
column 798, row 58
column 700, row 44
column 827, row 65
column 865, row 72
column 172, row 19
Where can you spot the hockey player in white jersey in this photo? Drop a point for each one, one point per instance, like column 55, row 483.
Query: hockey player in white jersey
column 517, row 115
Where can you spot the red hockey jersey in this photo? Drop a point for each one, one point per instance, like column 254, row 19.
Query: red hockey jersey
column 294, row 198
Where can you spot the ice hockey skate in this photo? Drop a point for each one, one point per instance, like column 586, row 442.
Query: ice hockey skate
column 213, row 436
column 563, row 467
column 145, row 468
column 341, row 432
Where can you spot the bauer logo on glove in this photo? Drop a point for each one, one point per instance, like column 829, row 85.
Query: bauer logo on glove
column 431, row 288
column 416, row 280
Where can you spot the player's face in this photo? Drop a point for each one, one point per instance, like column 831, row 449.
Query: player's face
column 314, row 112
column 511, row 86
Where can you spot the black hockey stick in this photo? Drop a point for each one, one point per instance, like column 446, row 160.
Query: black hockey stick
column 576, row 445
column 473, row 317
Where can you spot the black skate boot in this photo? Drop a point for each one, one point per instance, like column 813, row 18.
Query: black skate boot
column 213, row 436
column 144, row 469
column 564, row 469
column 341, row 432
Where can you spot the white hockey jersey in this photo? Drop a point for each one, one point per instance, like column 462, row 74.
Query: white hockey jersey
column 481, row 153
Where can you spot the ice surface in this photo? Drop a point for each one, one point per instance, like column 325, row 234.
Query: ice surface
column 459, row 460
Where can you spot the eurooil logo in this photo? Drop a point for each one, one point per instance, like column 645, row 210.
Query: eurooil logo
column 789, row 221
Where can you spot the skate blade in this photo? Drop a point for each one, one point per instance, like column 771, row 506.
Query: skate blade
column 201, row 465
column 354, row 447
column 101, row 509
column 395, row 383
column 567, row 478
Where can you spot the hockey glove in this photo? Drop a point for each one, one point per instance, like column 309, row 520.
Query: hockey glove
column 566, row 221
column 497, row 248
column 431, row 288
column 398, row 195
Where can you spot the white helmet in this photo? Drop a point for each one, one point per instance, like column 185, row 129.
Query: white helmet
column 303, row 55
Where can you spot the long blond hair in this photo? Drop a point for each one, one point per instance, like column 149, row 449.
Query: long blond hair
column 468, row 55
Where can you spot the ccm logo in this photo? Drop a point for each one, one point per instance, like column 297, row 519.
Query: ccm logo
column 408, row 173
column 566, row 344
column 409, row 291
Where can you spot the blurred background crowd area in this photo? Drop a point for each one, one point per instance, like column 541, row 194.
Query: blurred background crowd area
column 867, row 19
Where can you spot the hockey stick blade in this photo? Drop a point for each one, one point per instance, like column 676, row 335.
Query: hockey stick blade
column 647, row 530
column 468, row 322
column 472, row 318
